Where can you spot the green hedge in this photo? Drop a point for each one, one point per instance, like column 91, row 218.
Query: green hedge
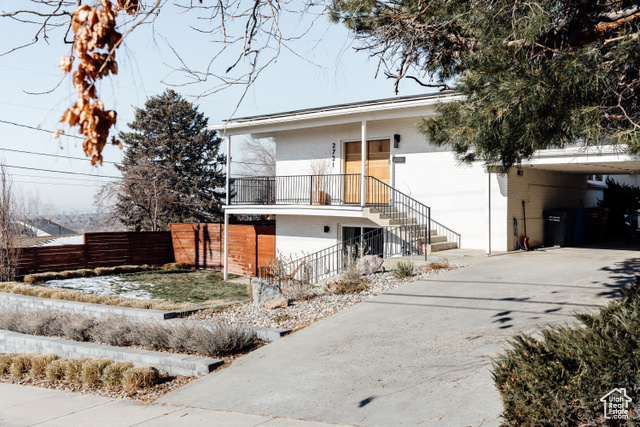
column 558, row 379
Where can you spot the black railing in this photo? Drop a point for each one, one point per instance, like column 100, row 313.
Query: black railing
column 384, row 242
column 338, row 189
column 410, row 220
column 397, row 206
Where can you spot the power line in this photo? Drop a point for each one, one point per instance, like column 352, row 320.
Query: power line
column 37, row 128
column 63, row 172
column 51, row 155
column 57, row 183
column 49, row 177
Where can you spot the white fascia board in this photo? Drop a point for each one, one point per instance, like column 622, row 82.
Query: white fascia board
column 311, row 210
column 266, row 125
column 606, row 153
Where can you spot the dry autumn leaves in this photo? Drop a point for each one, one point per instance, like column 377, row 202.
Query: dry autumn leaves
column 95, row 43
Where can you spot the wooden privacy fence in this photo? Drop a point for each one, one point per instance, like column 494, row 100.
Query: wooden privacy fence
column 202, row 246
column 99, row 250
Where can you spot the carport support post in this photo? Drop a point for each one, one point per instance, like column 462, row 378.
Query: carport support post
column 226, row 215
column 488, row 211
column 363, row 161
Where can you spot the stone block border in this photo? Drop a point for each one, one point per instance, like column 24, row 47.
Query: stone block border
column 170, row 363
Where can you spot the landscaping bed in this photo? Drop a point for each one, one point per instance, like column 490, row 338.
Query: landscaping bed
column 171, row 287
column 96, row 376
column 315, row 303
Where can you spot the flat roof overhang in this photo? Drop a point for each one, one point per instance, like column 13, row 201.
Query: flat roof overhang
column 394, row 108
column 603, row 160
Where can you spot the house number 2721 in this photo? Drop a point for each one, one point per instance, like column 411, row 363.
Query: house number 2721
column 333, row 154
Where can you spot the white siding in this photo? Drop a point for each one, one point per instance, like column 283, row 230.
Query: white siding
column 456, row 194
column 298, row 235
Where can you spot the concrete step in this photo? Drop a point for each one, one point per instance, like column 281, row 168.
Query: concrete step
column 443, row 246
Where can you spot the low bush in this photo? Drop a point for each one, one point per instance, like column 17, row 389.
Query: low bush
column 84, row 272
column 114, row 373
column 55, row 370
column 403, row 269
column 558, row 379
column 92, row 370
column 86, row 372
column 39, row 363
column 176, row 266
column 134, row 379
column 215, row 340
column 342, row 287
column 20, row 365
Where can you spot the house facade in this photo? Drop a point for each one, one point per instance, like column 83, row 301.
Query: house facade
column 406, row 196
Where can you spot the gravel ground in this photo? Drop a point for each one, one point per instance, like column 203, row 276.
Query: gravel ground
column 316, row 306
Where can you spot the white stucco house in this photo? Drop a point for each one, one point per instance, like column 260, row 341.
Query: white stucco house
column 409, row 195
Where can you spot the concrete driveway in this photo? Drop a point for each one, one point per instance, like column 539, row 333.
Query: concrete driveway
column 421, row 354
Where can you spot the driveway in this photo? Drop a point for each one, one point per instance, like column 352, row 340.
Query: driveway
column 420, row 354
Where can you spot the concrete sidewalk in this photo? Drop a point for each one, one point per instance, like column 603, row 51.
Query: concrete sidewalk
column 34, row 406
column 421, row 354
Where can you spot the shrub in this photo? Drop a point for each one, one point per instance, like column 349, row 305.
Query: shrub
column 56, row 369
column 135, row 379
column 5, row 363
column 73, row 370
column 176, row 266
column 351, row 273
column 402, row 269
column 342, row 287
column 115, row 331
column 559, row 378
column 114, row 373
column 223, row 339
column 20, row 365
column 76, row 327
column 39, row 363
column 92, row 371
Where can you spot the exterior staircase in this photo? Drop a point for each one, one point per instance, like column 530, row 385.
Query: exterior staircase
column 389, row 216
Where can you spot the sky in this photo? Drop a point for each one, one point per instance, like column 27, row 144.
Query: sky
column 322, row 68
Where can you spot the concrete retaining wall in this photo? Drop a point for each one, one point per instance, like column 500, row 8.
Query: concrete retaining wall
column 171, row 363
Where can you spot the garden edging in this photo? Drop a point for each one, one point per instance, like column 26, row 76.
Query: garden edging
column 170, row 363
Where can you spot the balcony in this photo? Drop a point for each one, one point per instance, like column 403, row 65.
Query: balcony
column 335, row 190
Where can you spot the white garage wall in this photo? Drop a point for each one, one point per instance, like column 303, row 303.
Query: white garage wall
column 543, row 190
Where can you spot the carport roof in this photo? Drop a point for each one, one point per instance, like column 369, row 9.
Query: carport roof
column 606, row 160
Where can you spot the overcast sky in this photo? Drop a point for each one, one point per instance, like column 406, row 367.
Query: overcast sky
column 323, row 69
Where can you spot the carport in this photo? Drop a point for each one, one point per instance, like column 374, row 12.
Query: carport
column 558, row 179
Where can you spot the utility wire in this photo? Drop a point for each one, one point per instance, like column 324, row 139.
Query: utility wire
column 63, row 172
column 57, row 183
column 36, row 128
column 51, row 155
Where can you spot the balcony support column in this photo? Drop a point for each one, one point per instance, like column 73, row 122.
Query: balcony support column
column 363, row 168
column 226, row 215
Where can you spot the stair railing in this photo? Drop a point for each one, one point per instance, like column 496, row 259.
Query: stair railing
column 384, row 242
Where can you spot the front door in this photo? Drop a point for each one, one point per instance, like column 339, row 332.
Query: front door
column 377, row 166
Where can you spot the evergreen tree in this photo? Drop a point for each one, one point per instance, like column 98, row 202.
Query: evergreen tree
column 532, row 75
column 172, row 167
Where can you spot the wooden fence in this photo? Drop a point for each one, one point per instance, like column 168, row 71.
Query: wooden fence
column 202, row 246
column 99, row 250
